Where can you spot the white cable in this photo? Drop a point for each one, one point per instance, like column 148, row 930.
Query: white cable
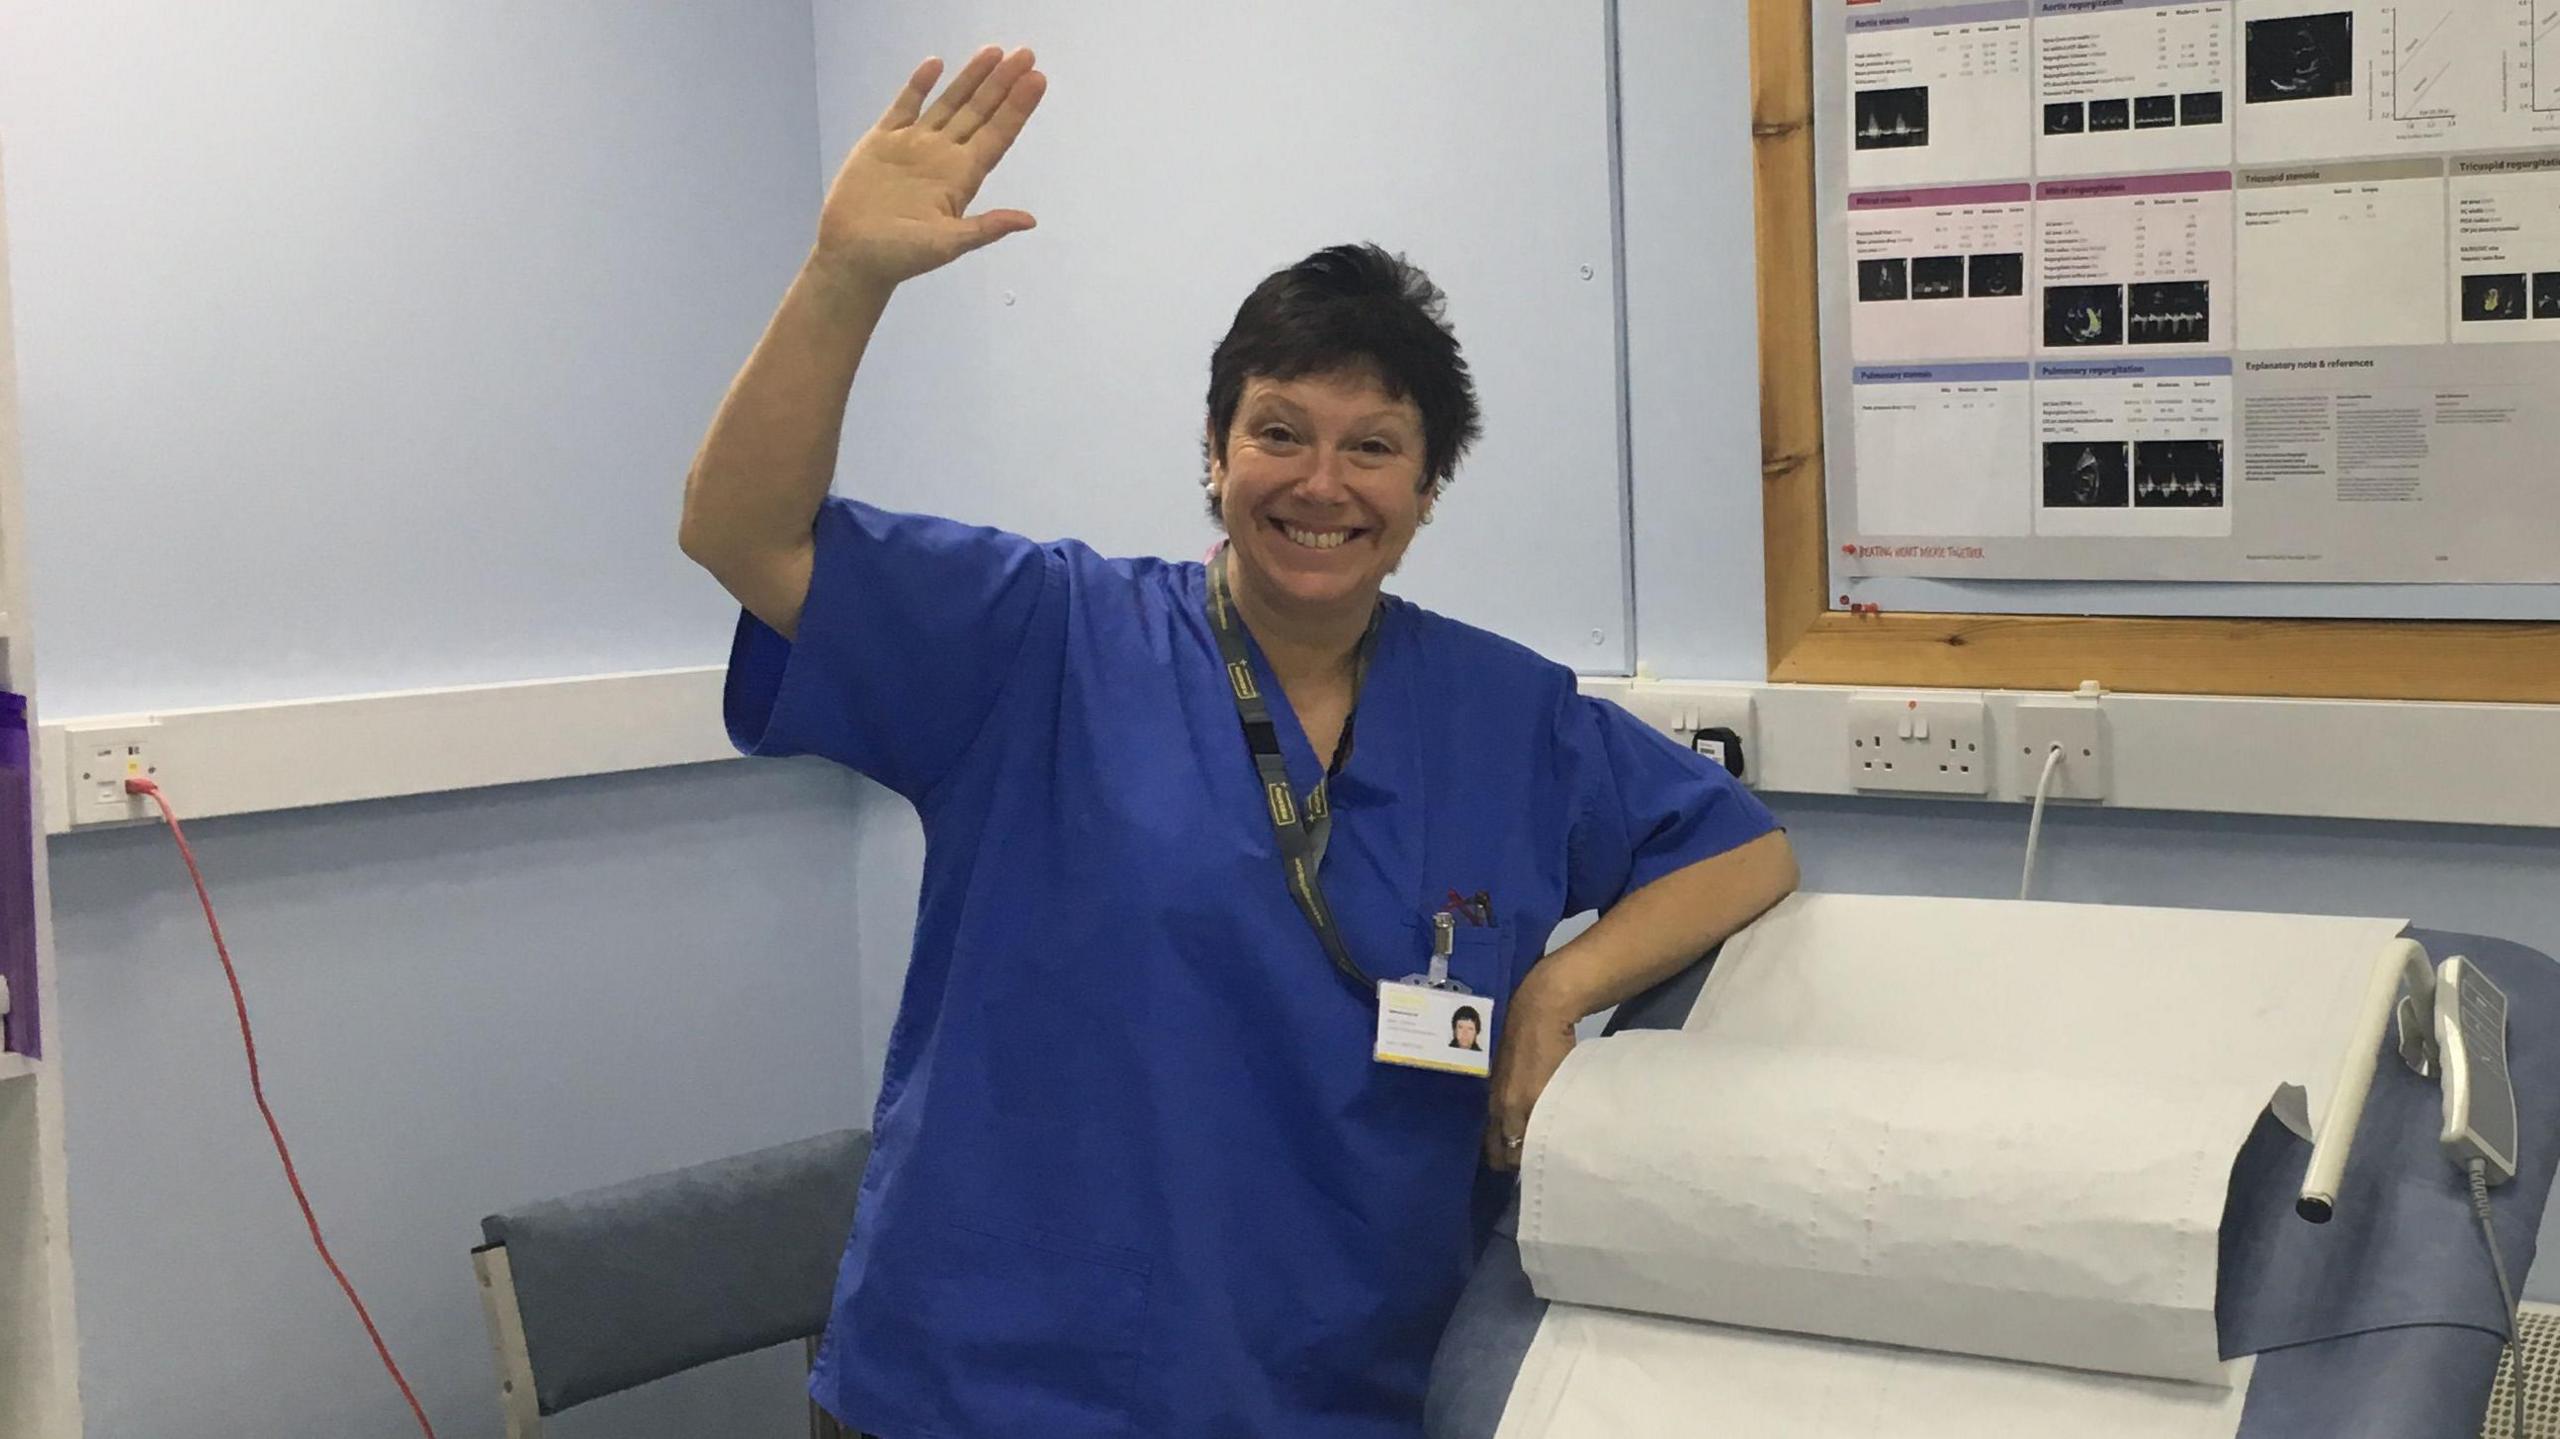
column 2478, row 1171
column 2035, row 821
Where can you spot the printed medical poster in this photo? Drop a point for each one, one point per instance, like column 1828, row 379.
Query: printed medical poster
column 2191, row 289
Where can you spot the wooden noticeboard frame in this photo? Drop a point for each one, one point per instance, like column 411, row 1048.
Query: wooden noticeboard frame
column 1812, row 642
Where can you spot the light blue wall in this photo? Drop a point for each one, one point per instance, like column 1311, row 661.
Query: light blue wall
column 364, row 347
column 463, row 1004
column 1693, row 371
column 1054, row 383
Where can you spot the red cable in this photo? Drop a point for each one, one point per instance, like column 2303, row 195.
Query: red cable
column 258, row 1088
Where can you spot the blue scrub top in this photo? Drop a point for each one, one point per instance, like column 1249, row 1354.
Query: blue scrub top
column 1137, row 1172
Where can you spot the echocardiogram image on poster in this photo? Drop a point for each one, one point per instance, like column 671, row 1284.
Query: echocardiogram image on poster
column 1991, row 276
column 2493, row 297
column 2086, row 475
column 2168, row 312
column 1937, row 277
column 1893, row 119
column 2078, row 315
column 2301, row 57
column 2177, row 474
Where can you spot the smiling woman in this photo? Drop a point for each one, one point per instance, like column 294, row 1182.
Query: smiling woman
column 1339, row 407
column 1140, row 1165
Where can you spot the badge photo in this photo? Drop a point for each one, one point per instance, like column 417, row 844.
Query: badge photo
column 1426, row 1028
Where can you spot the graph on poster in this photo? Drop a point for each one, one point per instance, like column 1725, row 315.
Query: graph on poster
column 2191, row 289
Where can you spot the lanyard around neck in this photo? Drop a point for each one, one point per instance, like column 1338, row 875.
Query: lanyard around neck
column 1302, row 828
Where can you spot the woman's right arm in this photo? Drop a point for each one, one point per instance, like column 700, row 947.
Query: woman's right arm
column 897, row 209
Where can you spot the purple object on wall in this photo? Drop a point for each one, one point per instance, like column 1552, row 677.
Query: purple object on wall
column 23, row 1030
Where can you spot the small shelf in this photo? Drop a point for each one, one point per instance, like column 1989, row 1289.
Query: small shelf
column 18, row 1066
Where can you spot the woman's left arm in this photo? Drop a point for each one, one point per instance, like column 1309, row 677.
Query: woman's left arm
column 1644, row 939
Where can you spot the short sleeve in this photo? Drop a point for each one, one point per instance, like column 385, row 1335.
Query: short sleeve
column 1643, row 806
column 910, row 629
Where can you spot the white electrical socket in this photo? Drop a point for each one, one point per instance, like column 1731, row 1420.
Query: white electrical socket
column 1919, row 744
column 102, row 758
column 2080, row 727
column 1682, row 710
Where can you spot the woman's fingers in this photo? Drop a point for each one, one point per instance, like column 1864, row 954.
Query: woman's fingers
column 1532, row 1050
column 903, row 110
column 1505, row 1120
column 991, row 93
column 963, row 88
column 896, row 207
column 1504, row 1127
column 980, row 231
column 989, row 142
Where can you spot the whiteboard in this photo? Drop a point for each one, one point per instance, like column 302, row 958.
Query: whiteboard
column 1055, row 383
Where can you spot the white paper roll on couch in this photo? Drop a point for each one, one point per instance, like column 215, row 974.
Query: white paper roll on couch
column 2055, row 999
column 2061, row 1221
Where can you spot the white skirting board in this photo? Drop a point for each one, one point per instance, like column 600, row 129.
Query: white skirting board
column 2334, row 759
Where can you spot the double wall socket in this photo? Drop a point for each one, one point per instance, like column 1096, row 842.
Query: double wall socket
column 1920, row 744
column 102, row 758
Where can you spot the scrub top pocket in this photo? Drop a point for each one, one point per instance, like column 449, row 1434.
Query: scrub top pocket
column 1479, row 957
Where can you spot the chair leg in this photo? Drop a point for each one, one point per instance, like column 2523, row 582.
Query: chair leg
column 506, row 1339
column 822, row 1425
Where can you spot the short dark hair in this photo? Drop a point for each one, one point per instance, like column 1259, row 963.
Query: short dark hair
column 1352, row 307
column 1466, row 1012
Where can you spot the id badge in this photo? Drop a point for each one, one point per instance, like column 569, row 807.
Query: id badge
column 1427, row 1028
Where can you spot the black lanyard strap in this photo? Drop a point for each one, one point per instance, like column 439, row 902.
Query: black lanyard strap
column 1302, row 827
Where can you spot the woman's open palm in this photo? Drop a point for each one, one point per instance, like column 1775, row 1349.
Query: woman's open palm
column 899, row 207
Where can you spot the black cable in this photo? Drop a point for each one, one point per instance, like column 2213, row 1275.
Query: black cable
column 2478, row 1170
